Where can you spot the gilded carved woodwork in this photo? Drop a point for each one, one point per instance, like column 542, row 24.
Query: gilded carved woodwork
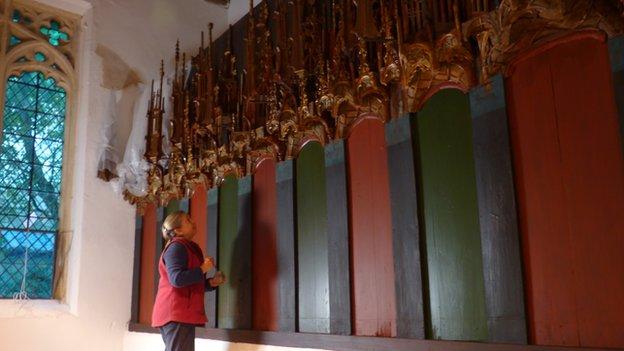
column 518, row 25
column 314, row 68
column 426, row 66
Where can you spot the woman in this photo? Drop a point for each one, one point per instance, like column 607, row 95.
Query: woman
column 179, row 305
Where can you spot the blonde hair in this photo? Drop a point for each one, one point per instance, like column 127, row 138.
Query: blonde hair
column 171, row 223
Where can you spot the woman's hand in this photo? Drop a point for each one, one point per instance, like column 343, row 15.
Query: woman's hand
column 207, row 265
column 218, row 279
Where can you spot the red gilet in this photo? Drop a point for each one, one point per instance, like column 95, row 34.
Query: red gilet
column 184, row 305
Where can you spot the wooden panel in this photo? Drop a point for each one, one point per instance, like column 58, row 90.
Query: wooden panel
column 147, row 290
column 265, row 283
column 312, row 256
column 196, row 208
column 616, row 58
column 136, row 269
column 502, row 264
column 172, row 206
column 349, row 343
column 160, row 244
column 197, row 211
column 184, row 205
column 570, row 182
column 233, row 303
column 286, row 245
column 372, row 264
column 405, row 232
column 212, row 215
column 228, row 231
column 456, row 297
column 338, row 236
column 241, row 256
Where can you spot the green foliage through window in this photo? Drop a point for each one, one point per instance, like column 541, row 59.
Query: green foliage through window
column 31, row 156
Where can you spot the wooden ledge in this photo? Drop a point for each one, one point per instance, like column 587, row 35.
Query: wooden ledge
column 350, row 343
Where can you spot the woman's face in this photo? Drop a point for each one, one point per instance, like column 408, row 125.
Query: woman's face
column 187, row 229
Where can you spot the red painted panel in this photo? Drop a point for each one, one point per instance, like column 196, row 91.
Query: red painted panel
column 264, row 252
column 570, row 183
column 147, row 288
column 372, row 281
column 198, row 211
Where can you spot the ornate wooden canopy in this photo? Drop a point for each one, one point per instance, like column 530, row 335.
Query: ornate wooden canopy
column 313, row 68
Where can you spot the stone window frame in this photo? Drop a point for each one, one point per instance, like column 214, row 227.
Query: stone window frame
column 60, row 65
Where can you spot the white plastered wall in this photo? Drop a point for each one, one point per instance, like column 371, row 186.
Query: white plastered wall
column 95, row 314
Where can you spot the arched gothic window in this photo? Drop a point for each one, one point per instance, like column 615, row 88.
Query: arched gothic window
column 37, row 48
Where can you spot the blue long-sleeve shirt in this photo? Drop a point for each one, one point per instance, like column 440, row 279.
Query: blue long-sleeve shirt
column 176, row 261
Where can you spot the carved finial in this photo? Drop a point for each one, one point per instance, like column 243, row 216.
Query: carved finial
column 177, row 50
column 210, row 26
column 162, row 74
column 177, row 60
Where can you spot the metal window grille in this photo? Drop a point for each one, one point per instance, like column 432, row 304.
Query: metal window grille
column 31, row 156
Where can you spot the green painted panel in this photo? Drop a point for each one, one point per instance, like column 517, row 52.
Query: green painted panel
column 312, row 253
column 228, row 228
column 173, row 206
column 455, row 298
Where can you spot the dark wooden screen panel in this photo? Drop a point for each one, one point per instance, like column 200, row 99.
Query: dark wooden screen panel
column 228, row 230
column 312, row 256
column 184, row 205
column 233, row 298
column 160, row 242
column 456, row 296
column 265, row 282
column 149, row 255
column 338, row 236
column 286, row 245
column 172, row 206
column 197, row 211
column 196, row 208
column 570, row 184
column 136, row 269
column 241, row 255
column 500, row 240
column 616, row 58
column 372, row 264
column 405, row 232
column 212, row 216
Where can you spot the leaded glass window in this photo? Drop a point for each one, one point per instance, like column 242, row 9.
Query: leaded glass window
column 31, row 156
